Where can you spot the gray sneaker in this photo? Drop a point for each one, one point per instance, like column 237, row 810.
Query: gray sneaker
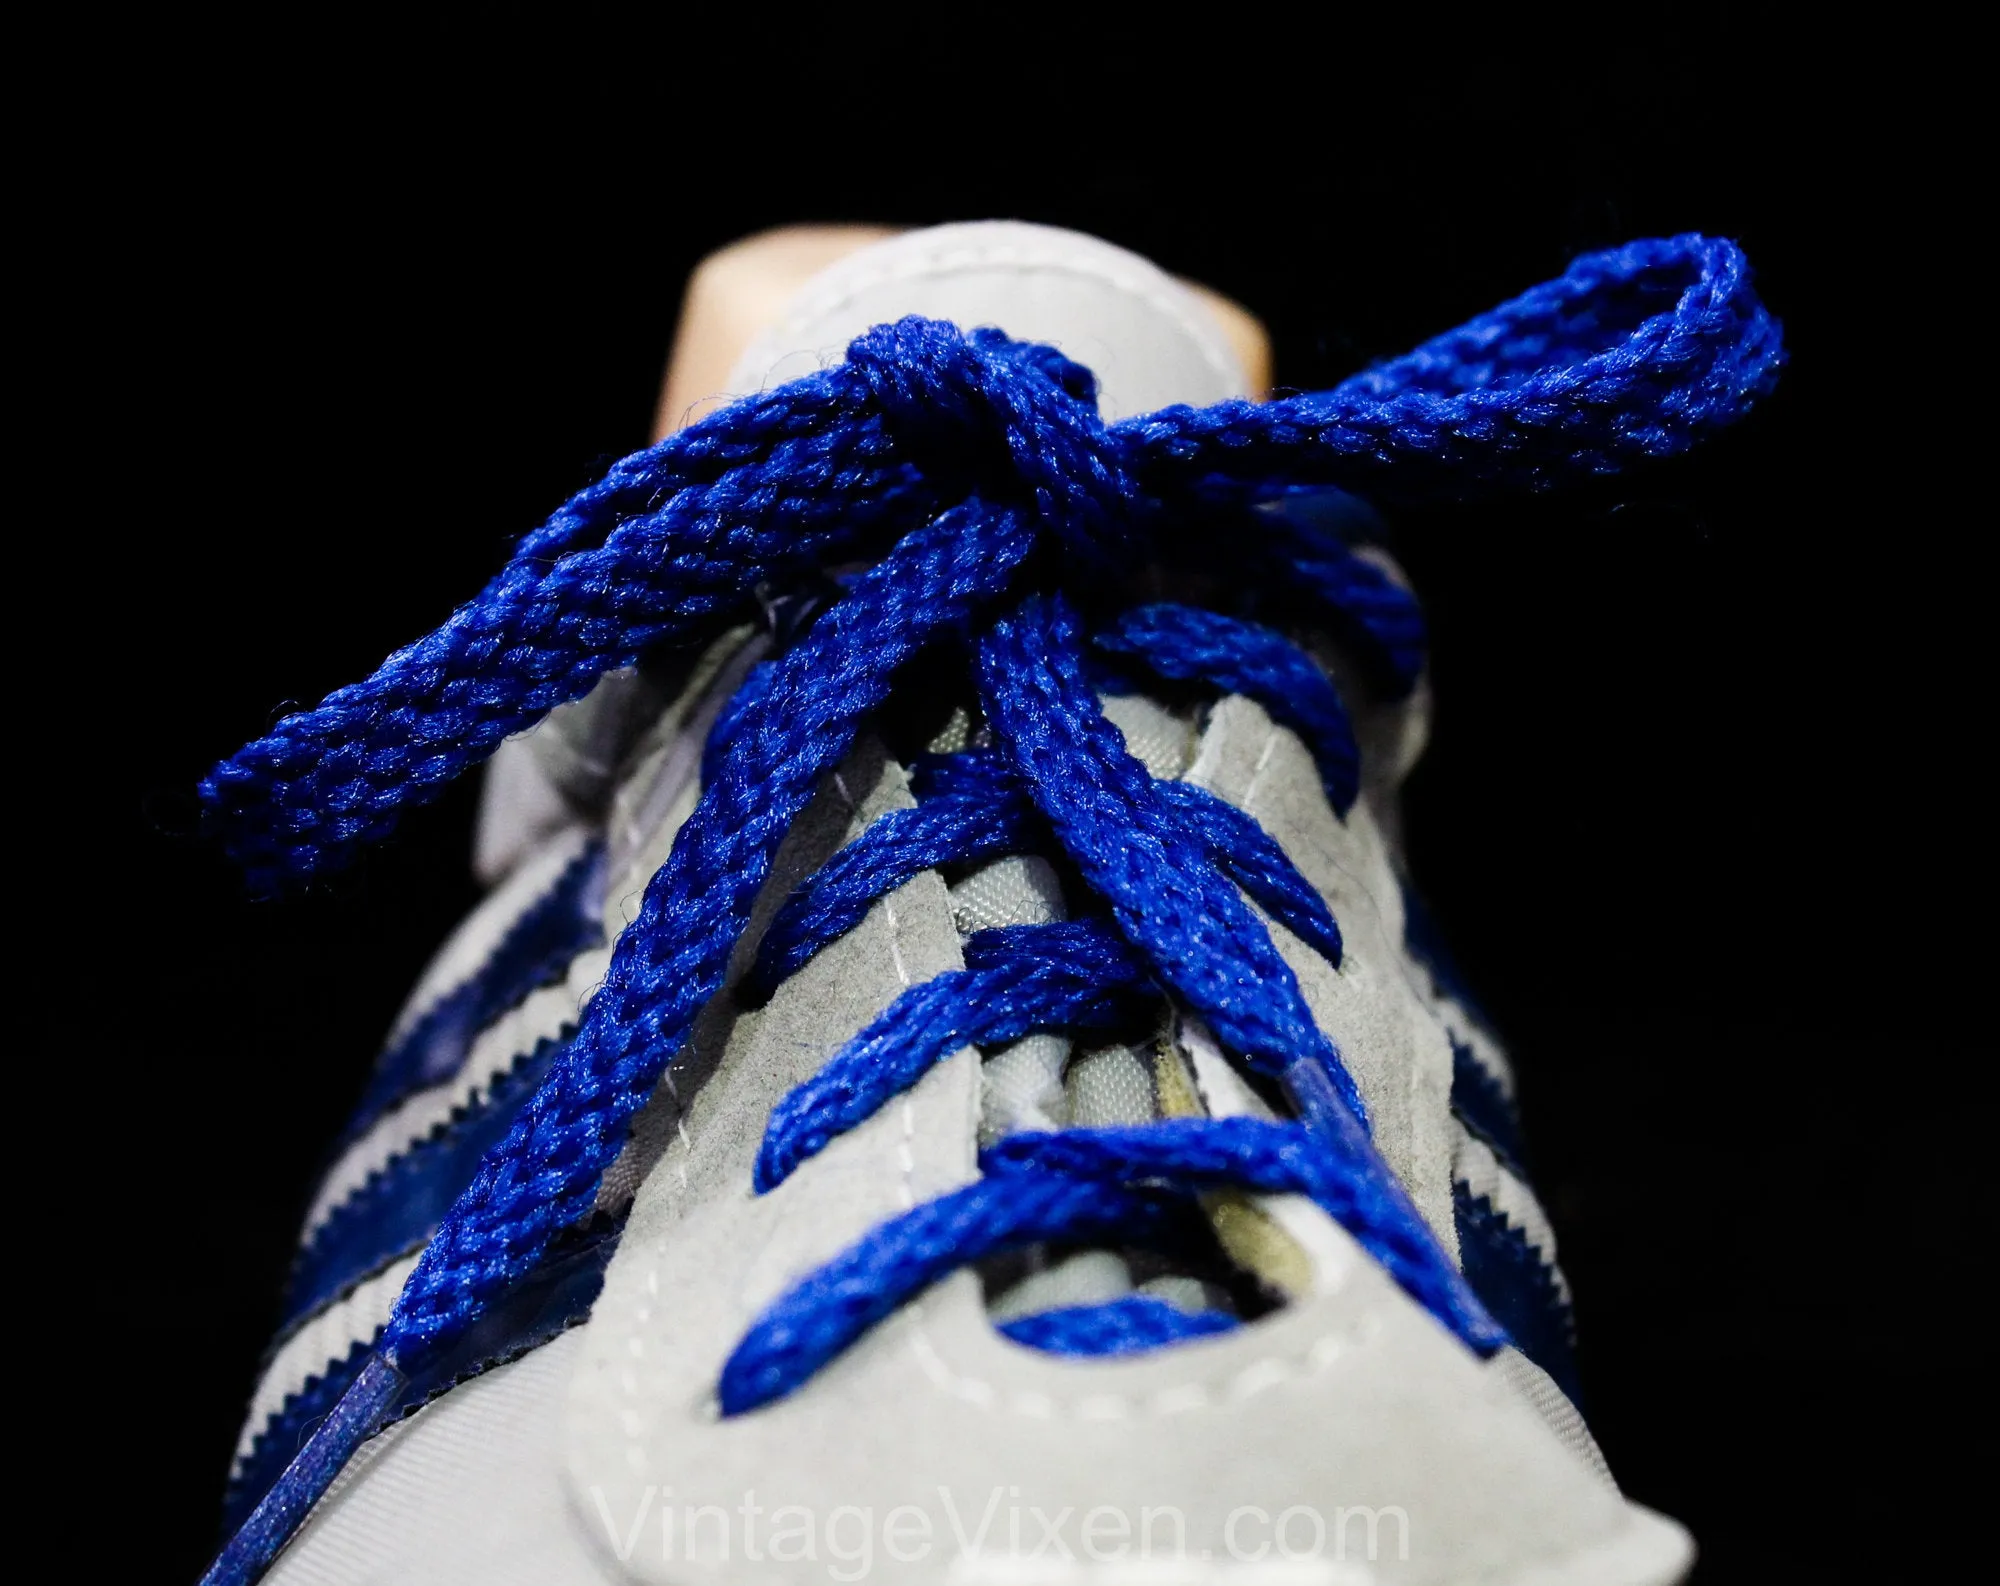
column 974, row 1232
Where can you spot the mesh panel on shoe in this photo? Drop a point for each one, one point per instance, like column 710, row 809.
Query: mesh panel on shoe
column 1022, row 1088
column 1040, row 1082
column 1090, row 1277
column 1109, row 1086
column 1158, row 738
column 1020, row 890
column 1186, row 1293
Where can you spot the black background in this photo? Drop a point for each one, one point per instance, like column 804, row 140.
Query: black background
column 329, row 332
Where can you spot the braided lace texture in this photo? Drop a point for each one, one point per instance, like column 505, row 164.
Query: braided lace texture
column 998, row 518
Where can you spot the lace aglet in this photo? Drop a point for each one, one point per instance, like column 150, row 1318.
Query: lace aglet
column 362, row 1410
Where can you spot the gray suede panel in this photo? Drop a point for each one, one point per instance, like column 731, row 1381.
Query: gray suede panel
column 1393, row 1045
column 1350, row 1397
column 663, row 776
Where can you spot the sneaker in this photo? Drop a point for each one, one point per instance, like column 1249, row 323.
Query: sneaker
column 950, row 1081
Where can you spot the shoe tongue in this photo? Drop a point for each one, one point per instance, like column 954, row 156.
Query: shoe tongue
column 1150, row 341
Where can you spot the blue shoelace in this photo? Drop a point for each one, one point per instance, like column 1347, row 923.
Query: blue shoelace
column 1000, row 523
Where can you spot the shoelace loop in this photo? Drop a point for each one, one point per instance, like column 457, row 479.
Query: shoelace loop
column 1633, row 353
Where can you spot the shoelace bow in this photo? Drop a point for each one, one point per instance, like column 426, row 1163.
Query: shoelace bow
column 996, row 514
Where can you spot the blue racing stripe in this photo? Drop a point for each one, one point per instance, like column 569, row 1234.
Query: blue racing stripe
column 536, row 949
column 398, row 1206
column 1485, row 1109
column 1517, row 1286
